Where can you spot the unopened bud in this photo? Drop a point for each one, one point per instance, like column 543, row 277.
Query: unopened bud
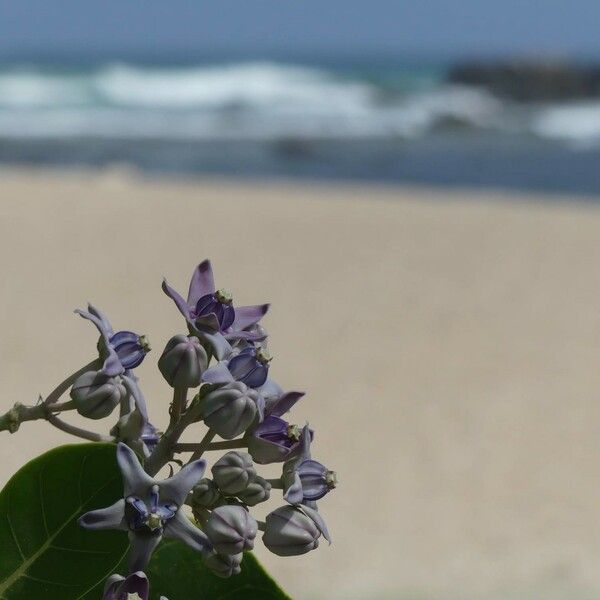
column 256, row 492
column 231, row 529
column 223, row 565
column 230, row 410
column 290, row 532
column 96, row 395
column 206, row 494
column 233, row 472
column 183, row 361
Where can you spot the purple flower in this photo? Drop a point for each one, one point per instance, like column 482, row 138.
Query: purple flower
column 274, row 439
column 150, row 436
column 121, row 351
column 150, row 509
column 211, row 312
column 306, row 480
column 134, row 587
column 250, row 366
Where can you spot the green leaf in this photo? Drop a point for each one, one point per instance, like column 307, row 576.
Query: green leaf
column 44, row 553
column 178, row 573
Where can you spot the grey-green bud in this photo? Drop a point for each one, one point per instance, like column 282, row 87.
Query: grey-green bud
column 230, row 410
column 256, row 492
column 96, row 395
column 290, row 532
column 183, row 361
column 231, row 529
column 206, row 494
column 233, row 472
column 223, row 565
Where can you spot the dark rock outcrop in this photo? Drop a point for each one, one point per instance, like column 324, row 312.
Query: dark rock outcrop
column 530, row 82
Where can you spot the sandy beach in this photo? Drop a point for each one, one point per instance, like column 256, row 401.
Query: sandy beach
column 448, row 342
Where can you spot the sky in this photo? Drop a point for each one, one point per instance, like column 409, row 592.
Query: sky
column 428, row 28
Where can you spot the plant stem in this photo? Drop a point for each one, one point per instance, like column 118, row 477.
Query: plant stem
column 179, row 404
column 164, row 450
column 61, row 388
column 11, row 420
column 77, row 431
column 224, row 445
column 203, row 445
column 276, row 484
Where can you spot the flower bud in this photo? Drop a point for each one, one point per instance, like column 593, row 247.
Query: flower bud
column 96, row 395
column 233, row 472
column 223, row 565
column 231, row 529
column 274, row 440
column 257, row 491
column 206, row 494
column 290, row 532
column 230, row 410
column 183, row 361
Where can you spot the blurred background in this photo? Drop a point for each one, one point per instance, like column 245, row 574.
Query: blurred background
column 470, row 93
column 413, row 185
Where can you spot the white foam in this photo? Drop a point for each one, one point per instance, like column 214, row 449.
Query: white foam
column 258, row 101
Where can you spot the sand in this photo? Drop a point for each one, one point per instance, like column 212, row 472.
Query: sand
column 449, row 344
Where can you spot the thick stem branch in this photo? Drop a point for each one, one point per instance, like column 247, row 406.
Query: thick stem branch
column 276, row 484
column 77, row 431
column 203, row 445
column 224, row 445
column 62, row 387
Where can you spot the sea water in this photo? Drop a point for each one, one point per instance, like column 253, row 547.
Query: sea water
column 386, row 121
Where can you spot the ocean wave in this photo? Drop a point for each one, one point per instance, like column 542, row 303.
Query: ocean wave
column 263, row 101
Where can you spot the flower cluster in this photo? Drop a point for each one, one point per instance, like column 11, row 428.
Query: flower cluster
column 219, row 371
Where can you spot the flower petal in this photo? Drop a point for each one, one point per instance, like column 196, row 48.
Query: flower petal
column 285, row 403
column 141, row 549
column 102, row 317
column 217, row 342
column 271, row 391
column 317, row 519
column 246, row 316
column 112, row 517
column 181, row 528
column 112, row 364
column 202, row 282
column 104, row 331
column 307, row 437
column 134, row 389
column 111, row 587
column 176, row 488
column 217, row 375
column 294, row 494
column 136, row 481
column 136, row 583
column 249, row 336
column 181, row 304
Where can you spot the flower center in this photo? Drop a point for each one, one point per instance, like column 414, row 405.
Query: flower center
column 224, row 296
column 154, row 522
column 263, row 356
column 130, row 347
column 152, row 516
column 331, row 479
column 219, row 304
column 294, row 432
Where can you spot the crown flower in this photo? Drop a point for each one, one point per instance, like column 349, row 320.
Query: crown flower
column 219, row 378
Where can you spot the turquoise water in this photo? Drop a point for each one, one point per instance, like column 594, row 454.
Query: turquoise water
column 369, row 121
